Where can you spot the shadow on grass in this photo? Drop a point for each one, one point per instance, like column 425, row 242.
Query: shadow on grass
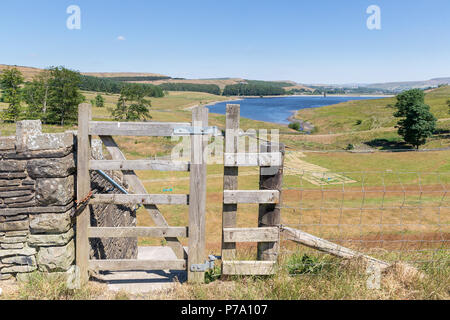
column 385, row 144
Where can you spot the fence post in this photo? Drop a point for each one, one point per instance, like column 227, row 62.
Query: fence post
column 230, row 177
column 271, row 178
column 83, row 189
column 197, row 196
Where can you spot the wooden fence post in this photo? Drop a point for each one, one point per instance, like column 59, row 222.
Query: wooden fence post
column 83, row 189
column 271, row 178
column 197, row 196
column 230, row 177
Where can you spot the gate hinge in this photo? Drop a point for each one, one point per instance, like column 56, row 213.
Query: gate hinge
column 188, row 131
column 208, row 265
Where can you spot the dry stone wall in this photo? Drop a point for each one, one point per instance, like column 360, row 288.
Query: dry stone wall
column 37, row 205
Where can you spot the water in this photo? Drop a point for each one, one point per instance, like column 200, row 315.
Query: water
column 279, row 109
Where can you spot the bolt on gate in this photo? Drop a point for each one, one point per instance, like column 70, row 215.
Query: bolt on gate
column 196, row 199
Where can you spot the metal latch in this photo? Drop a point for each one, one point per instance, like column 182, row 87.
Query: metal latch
column 187, row 131
column 208, row 265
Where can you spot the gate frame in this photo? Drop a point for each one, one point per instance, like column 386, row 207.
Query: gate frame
column 196, row 198
column 267, row 235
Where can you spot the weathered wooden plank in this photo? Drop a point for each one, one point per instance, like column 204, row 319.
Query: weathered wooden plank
column 250, row 234
column 140, row 199
column 251, row 196
column 248, row 268
column 83, row 188
column 127, row 232
column 156, row 165
column 137, row 265
column 137, row 186
column 323, row 245
column 149, row 129
column 269, row 215
column 230, row 177
column 197, row 196
column 252, row 159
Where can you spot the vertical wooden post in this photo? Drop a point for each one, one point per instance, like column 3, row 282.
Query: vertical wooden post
column 271, row 178
column 230, row 177
column 197, row 196
column 83, row 189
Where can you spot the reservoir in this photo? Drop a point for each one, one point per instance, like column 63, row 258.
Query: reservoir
column 279, row 109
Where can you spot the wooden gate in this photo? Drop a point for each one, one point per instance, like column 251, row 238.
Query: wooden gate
column 270, row 159
column 196, row 199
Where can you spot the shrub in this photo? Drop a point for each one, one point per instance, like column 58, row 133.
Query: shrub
column 295, row 126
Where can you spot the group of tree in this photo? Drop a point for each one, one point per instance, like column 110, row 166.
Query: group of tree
column 110, row 85
column 132, row 104
column 417, row 123
column 52, row 96
column 244, row 89
column 195, row 87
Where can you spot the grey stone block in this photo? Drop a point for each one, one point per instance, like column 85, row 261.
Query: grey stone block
column 14, row 225
column 50, row 222
column 51, row 168
column 48, row 240
column 56, row 258
column 12, row 166
column 55, row 191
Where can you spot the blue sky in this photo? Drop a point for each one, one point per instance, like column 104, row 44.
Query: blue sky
column 322, row 41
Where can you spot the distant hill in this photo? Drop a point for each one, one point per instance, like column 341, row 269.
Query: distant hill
column 406, row 85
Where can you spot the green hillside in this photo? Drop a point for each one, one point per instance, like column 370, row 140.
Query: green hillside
column 363, row 115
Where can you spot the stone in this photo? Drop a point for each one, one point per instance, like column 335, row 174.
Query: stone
column 5, row 276
column 13, row 239
column 12, row 166
column 48, row 240
column 24, row 252
column 53, row 209
column 50, row 222
column 27, row 204
column 18, row 217
column 15, row 234
column 21, row 260
column 55, row 191
column 56, row 258
column 12, row 175
column 12, row 194
column 58, row 153
column 9, row 246
column 19, row 199
column 51, row 168
column 14, row 225
column 8, row 183
column 47, row 141
column 19, row 269
column 7, row 143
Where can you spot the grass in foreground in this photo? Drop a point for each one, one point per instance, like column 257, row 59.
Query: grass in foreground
column 300, row 276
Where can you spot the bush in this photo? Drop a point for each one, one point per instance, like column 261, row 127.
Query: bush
column 350, row 146
column 358, row 122
column 295, row 126
column 304, row 264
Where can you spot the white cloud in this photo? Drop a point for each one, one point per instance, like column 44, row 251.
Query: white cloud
column 121, row 38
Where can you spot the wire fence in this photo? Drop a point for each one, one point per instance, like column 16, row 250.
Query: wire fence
column 391, row 216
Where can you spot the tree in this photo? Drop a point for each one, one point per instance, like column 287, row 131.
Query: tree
column 407, row 99
column 36, row 95
column 64, row 96
column 10, row 82
column 418, row 124
column 99, row 101
column 132, row 105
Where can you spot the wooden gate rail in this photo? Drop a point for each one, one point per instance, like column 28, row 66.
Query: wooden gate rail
column 268, row 197
column 196, row 199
